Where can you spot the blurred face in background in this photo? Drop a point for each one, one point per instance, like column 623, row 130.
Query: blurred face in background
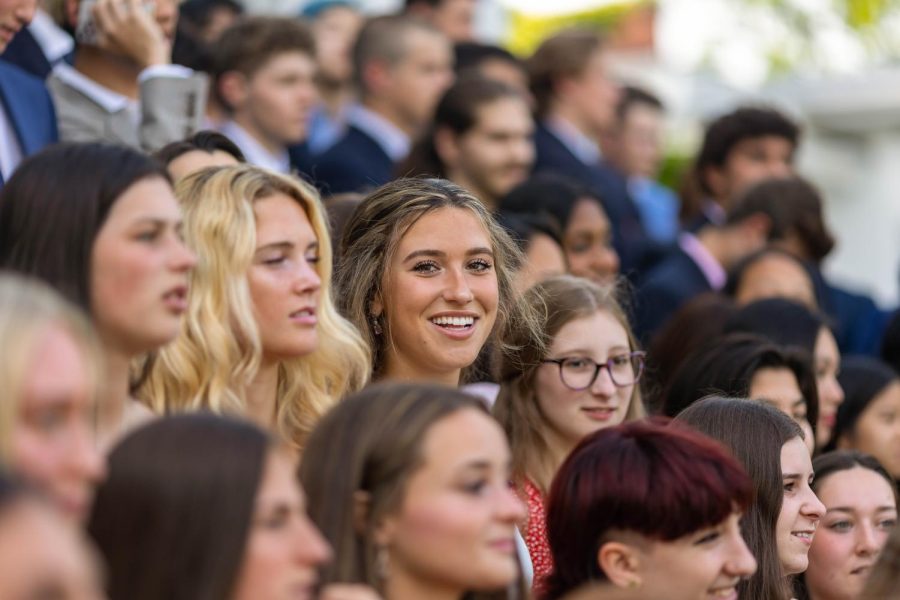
column 638, row 141
column 335, row 31
column 587, row 241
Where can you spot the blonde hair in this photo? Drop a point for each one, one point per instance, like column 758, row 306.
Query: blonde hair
column 28, row 309
column 372, row 236
column 559, row 300
column 219, row 351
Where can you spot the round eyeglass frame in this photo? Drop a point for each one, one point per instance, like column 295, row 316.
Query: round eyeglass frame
column 639, row 355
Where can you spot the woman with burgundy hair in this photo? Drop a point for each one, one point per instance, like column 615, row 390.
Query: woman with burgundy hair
column 652, row 511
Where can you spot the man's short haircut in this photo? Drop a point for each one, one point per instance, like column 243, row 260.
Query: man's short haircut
column 252, row 41
column 203, row 141
column 384, row 39
column 565, row 54
column 727, row 131
column 471, row 55
column 634, row 96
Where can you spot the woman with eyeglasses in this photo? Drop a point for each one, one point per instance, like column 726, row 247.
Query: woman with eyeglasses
column 584, row 379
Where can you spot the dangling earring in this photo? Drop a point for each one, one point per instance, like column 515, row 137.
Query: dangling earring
column 382, row 566
column 376, row 324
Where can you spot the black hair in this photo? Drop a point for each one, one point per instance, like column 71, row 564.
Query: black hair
column 862, row 378
column 727, row 367
column 205, row 141
column 547, row 194
column 55, row 204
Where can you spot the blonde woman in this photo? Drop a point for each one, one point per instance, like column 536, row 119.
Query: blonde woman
column 48, row 391
column 261, row 337
column 551, row 397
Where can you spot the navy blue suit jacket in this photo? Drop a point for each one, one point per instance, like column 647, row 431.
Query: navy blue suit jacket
column 28, row 107
column 674, row 281
column 355, row 163
column 24, row 52
column 553, row 156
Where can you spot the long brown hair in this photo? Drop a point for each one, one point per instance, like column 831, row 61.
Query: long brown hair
column 557, row 301
column 755, row 433
column 372, row 443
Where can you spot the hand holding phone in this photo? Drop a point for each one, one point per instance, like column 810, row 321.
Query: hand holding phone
column 126, row 27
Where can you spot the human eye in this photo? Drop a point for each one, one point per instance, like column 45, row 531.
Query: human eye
column 475, row 487
column 426, row 267
column 480, row 265
column 148, row 235
column 620, row 360
column 49, row 419
column 313, row 259
column 708, row 537
column 790, row 485
column 841, row 526
column 887, row 524
column 275, row 520
column 577, row 363
column 274, row 259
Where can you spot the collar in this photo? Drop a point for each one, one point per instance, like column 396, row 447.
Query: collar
column 110, row 101
column 713, row 272
column 54, row 41
column 583, row 147
column 254, row 152
column 395, row 143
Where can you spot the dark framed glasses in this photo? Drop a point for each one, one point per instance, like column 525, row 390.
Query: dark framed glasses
column 579, row 373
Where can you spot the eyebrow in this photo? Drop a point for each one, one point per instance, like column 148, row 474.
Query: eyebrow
column 314, row 245
column 439, row 254
column 156, row 221
column 850, row 509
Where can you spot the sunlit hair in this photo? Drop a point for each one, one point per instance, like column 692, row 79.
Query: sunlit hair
column 661, row 482
column 218, row 353
column 371, row 445
column 372, row 236
column 28, row 310
column 558, row 301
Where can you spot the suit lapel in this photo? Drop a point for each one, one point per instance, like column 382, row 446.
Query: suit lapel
column 17, row 110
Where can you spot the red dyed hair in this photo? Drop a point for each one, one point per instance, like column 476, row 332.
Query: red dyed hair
column 644, row 477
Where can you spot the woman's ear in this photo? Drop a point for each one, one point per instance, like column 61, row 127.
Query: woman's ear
column 362, row 516
column 621, row 564
column 376, row 307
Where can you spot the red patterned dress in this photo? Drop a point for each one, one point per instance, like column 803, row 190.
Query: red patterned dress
column 536, row 534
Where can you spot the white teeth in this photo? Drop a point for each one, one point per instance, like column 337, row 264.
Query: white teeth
column 453, row 321
column 803, row 534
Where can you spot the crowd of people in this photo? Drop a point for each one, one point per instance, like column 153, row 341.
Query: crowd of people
column 359, row 308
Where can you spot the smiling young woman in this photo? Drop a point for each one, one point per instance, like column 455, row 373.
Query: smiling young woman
column 426, row 276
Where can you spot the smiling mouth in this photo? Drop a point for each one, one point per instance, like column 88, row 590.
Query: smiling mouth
column 805, row 536
column 454, row 323
column 730, row 592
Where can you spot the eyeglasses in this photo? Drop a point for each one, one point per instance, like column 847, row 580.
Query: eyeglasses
column 578, row 373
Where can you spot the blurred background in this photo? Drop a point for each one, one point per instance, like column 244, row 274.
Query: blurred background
column 834, row 65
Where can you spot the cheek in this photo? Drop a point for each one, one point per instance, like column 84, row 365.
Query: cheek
column 34, row 457
column 263, row 564
column 829, row 550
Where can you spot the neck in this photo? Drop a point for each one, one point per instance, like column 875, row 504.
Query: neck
column 400, row 586
column 574, row 118
column 115, row 396
column 545, row 467
column 397, row 370
column 334, row 96
column 273, row 146
column 486, row 197
column 389, row 112
column 262, row 396
column 715, row 243
column 117, row 73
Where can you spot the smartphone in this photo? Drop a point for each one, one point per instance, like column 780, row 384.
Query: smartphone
column 86, row 30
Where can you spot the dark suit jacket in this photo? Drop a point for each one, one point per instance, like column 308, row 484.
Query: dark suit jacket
column 355, row 163
column 24, row 52
column 857, row 321
column 29, row 108
column 674, row 281
column 629, row 239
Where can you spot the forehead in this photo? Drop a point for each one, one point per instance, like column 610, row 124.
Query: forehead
column 503, row 113
column 465, row 436
column 150, row 197
column 795, row 457
column 598, row 331
column 447, row 229
column 280, row 214
column 420, row 45
column 856, row 487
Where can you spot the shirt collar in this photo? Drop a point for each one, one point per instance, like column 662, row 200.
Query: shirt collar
column 110, row 101
column 254, row 152
column 395, row 143
column 713, row 272
column 583, row 147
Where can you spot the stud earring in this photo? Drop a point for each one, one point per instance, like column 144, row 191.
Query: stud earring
column 382, row 565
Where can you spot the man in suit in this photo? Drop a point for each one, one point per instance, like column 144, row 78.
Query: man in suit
column 123, row 87
column 264, row 78
column 739, row 149
column 401, row 68
column 575, row 105
column 27, row 118
column 699, row 263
